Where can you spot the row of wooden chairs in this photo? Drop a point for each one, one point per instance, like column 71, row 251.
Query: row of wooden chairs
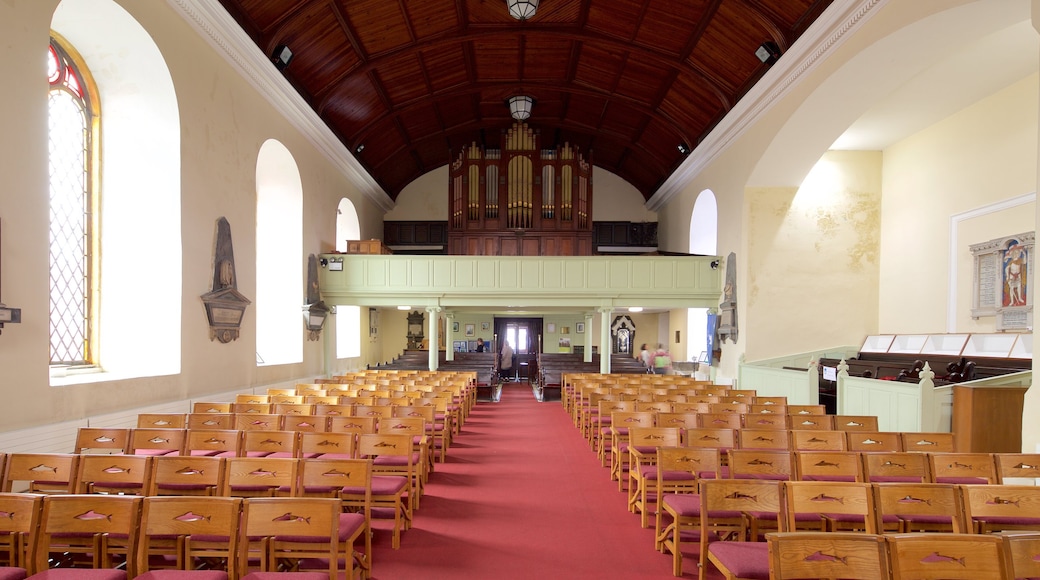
column 811, row 555
column 115, row 537
column 397, row 482
column 746, row 510
column 575, row 386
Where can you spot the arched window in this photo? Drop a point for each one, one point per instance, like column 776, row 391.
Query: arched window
column 348, row 318
column 704, row 235
column 72, row 141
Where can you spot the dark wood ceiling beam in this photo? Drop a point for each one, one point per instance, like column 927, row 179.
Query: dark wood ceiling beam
column 698, row 32
column 351, row 33
column 407, row 21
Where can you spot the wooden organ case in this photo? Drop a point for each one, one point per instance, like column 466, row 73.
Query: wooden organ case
column 520, row 200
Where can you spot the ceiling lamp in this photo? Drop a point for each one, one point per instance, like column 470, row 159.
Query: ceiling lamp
column 522, row 9
column 520, row 106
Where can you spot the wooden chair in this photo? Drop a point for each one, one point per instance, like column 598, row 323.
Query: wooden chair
column 812, row 555
column 993, row 508
column 644, row 443
column 872, row 441
column 761, row 464
column 48, row 473
column 187, row 475
column 190, row 534
column 1017, row 466
column 602, row 434
column 251, row 399
column 949, row 556
column 158, row 441
column 293, row 529
column 721, row 499
column 828, row 466
column 261, row 477
column 355, row 425
column 18, row 527
column 721, row 421
column 437, row 435
column 818, row 440
column 211, row 421
column 777, row 401
column 114, row 474
column 252, row 408
column 927, row 442
column 828, row 505
column 730, row 407
column 88, row 531
column 763, row 439
column 621, row 424
column 896, row 467
column 283, row 399
column 757, row 408
column 920, row 507
column 963, row 468
column 270, row 444
column 800, row 410
column 101, row 440
column 775, row 421
column 289, row 409
column 215, row 442
column 681, row 420
column 162, row 421
column 414, row 427
column 391, row 485
column 856, row 423
column 350, row 481
column 675, row 471
column 1024, row 549
column 334, row 409
column 328, row 445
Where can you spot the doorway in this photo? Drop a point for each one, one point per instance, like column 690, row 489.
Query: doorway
column 524, row 335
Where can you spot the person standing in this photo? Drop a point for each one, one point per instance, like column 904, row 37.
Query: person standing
column 644, row 355
column 480, row 345
column 662, row 360
column 505, row 365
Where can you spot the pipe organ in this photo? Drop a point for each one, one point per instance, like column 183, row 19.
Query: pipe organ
column 520, row 200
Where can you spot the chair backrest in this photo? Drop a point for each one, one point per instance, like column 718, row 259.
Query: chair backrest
column 328, row 477
column 187, row 475
column 119, row 474
column 1017, row 466
column 19, row 520
column 775, row 421
column 927, row 442
column 287, row 399
column 157, row 441
column 211, row 421
column 289, row 409
column 681, row 420
column 818, row 440
column 871, row 441
column 334, row 409
column 414, row 426
column 40, row 472
column 806, row 410
column 768, row 464
column 270, row 443
column 724, row 501
column 963, row 468
column 948, row 556
column 210, row 407
column 261, row 476
column 711, row 437
column 1024, row 548
column 1012, row 505
column 776, row 401
column 102, row 440
column 303, row 423
column 213, row 442
column 295, row 528
column 648, row 439
column 316, row 444
column 899, row 466
column 202, row 529
column 654, row 406
column 757, row 408
column 828, row 466
column 377, row 411
column 258, row 422
column 812, row 555
column 855, row 423
column 763, row 439
column 909, row 501
column 701, row 463
column 827, row 498
column 721, row 420
column 350, row 424
column 622, row 420
column 810, row 422
column 104, row 527
column 740, row 407
column 162, row 421
column 251, row 399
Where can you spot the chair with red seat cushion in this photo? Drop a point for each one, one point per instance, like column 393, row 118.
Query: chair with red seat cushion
column 192, row 537
column 391, row 484
column 949, row 556
column 12, row 573
column 920, row 507
column 811, row 555
column 119, row 474
column 992, row 508
column 187, row 475
column 297, row 531
column 963, row 468
column 158, row 441
column 896, row 467
column 721, row 536
column 88, row 537
column 20, row 518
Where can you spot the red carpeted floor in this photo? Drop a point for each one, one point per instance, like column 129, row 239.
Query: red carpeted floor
column 522, row 496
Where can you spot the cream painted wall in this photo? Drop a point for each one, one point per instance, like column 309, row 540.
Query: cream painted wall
column 426, row 198
column 984, row 154
column 224, row 122
column 813, row 254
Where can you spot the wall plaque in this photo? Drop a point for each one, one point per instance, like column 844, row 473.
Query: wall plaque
column 1001, row 285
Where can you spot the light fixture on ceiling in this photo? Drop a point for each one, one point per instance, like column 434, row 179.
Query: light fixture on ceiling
column 281, row 56
column 522, row 9
column 635, row 309
column 520, row 107
column 359, row 149
column 683, row 148
column 403, row 307
column 768, row 52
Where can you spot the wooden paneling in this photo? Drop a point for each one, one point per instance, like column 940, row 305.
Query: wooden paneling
column 988, row 419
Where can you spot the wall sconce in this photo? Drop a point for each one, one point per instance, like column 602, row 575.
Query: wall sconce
column 714, row 264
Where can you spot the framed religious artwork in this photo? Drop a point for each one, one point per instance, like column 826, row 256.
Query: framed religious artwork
column 579, row 327
column 550, row 327
column 455, row 327
column 471, row 329
column 485, row 326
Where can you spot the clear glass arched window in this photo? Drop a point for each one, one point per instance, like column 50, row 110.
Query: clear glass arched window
column 72, row 113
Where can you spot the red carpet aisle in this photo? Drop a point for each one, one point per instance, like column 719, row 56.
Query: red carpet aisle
column 522, row 496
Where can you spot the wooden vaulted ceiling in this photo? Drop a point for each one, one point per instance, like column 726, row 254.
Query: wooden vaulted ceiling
column 403, row 83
